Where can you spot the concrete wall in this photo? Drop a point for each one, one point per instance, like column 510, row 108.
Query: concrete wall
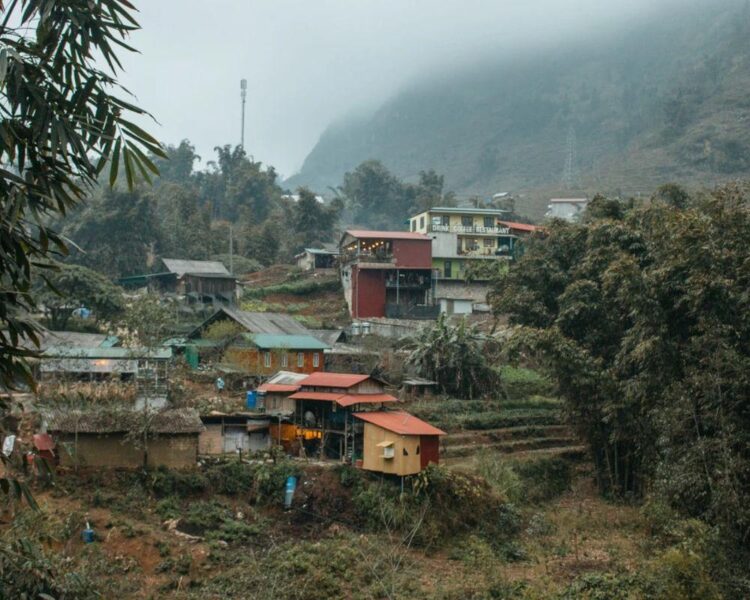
column 179, row 451
column 400, row 464
column 459, row 290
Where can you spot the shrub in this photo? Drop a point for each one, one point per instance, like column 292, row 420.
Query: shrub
column 165, row 482
column 545, row 478
column 231, row 477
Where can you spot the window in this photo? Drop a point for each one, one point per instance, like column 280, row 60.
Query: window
column 437, row 220
column 266, row 359
column 406, row 453
column 285, row 360
column 388, row 449
column 447, row 269
column 489, row 243
column 446, row 220
column 489, row 221
column 316, row 360
column 421, row 222
column 300, row 359
column 417, row 448
column 467, row 221
column 413, row 224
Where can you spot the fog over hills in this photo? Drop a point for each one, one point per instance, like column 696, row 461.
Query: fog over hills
column 662, row 99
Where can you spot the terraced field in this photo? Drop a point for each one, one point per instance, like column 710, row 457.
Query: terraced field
column 525, row 424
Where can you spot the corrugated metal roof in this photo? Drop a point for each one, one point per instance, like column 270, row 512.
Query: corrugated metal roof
column 255, row 322
column 180, row 266
column 364, row 234
column 287, row 377
column 400, row 422
column 103, row 352
column 334, row 380
column 268, row 341
column 328, row 336
column 519, row 226
column 181, row 420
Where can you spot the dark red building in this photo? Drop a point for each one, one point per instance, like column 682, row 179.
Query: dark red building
column 387, row 274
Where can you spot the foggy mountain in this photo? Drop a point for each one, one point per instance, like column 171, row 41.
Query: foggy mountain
column 620, row 113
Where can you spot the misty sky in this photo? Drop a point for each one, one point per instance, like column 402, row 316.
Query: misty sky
column 309, row 62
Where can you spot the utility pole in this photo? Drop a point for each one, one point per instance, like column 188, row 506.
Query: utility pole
column 243, row 96
column 231, row 250
column 569, row 172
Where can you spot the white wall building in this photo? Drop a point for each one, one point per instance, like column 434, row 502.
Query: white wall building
column 568, row 209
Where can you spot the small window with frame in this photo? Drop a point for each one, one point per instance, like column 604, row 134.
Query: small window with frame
column 300, row 359
column 266, row 359
column 284, row 360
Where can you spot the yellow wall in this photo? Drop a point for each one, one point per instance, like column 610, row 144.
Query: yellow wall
column 398, row 465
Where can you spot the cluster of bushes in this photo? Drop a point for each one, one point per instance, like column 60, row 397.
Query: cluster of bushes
column 526, row 481
column 518, row 382
column 295, row 288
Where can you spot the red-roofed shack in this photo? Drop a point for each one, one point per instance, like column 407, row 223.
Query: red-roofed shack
column 398, row 443
column 324, row 408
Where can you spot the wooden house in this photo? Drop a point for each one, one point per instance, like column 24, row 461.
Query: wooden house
column 398, row 443
column 274, row 395
column 228, row 433
column 107, row 439
column 198, row 280
column 266, row 353
column 323, row 415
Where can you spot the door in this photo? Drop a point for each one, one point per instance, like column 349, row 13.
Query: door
column 448, row 269
column 235, row 436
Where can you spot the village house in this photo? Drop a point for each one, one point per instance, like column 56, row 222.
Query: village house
column 114, row 438
column 317, row 259
column 266, row 353
column 398, row 443
column 273, row 395
column 567, row 209
column 204, row 281
column 85, row 363
column 322, row 422
column 387, row 274
column 464, row 239
column 230, row 433
column 197, row 348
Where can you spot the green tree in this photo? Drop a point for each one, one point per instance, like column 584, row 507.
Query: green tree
column 61, row 123
column 375, row 196
column 642, row 317
column 116, row 233
column 455, row 357
column 312, row 221
column 66, row 287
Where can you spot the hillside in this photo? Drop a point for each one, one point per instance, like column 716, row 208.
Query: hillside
column 664, row 100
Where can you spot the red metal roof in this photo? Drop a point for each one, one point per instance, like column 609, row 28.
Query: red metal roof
column 344, row 400
column 519, row 226
column 326, row 396
column 364, row 234
column 400, row 422
column 333, row 380
column 277, row 387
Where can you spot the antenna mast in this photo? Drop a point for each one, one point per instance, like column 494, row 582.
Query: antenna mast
column 569, row 171
column 243, row 96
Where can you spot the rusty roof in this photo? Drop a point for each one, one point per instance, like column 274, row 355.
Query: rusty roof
column 277, row 387
column 400, row 422
column 519, row 226
column 334, row 380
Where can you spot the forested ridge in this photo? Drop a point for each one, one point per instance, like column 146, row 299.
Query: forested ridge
column 659, row 100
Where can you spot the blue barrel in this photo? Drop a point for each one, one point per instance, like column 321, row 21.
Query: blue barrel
column 87, row 535
column 251, row 399
column 291, row 485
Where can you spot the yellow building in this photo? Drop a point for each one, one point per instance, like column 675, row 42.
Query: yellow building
column 462, row 236
column 398, row 443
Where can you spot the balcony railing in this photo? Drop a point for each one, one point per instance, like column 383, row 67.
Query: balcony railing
column 407, row 311
column 366, row 257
